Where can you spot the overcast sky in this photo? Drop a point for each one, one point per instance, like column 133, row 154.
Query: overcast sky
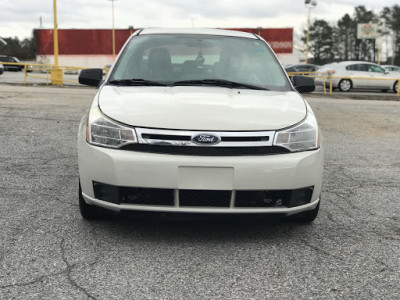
column 19, row 17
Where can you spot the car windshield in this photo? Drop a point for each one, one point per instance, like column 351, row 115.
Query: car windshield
column 169, row 59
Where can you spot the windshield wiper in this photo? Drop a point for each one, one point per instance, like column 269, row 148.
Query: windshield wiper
column 136, row 81
column 220, row 82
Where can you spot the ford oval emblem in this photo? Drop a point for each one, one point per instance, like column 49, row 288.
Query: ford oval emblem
column 206, row 139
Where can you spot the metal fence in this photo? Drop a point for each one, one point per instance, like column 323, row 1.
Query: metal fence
column 326, row 77
column 50, row 74
column 54, row 75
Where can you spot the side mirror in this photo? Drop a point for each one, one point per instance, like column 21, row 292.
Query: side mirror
column 303, row 84
column 92, row 77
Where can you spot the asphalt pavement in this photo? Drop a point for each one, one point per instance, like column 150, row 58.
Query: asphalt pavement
column 47, row 251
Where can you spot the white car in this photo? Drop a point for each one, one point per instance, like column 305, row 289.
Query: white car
column 199, row 121
column 391, row 68
column 349, row 75
column 1, row 69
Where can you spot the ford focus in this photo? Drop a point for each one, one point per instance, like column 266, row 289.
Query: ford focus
column 199, row 121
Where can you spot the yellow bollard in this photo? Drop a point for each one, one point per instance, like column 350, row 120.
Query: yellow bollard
column 398, row 88
column 56, row 76
column 25, row 73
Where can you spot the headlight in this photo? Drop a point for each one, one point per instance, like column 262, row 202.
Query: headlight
column 302, row 137
column 102, row 131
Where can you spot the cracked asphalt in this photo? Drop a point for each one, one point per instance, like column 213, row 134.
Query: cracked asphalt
column 47, row 251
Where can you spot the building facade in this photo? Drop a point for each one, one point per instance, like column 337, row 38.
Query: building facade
column 92, row 48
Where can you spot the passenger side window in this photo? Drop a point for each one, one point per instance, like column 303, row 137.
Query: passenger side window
column 357, row 67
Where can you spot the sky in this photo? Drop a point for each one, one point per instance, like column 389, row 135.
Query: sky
column 20, row 17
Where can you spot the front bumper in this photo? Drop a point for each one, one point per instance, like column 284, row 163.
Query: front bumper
column 235, row 174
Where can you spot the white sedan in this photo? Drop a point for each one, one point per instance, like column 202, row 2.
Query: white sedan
column 349, row 75
column 391, row 68
column 199, row 121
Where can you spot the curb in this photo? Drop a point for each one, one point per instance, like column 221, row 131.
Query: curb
column 355, row 96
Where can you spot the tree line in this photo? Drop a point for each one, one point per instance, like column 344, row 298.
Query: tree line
column 339, row 42
column 22, row 49
column 327, row 43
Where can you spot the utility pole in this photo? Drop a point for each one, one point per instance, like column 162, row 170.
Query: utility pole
column 55, row 33
column 309, row 4
column 56, row 73
column 113, row 28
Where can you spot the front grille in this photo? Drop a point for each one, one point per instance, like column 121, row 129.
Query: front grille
column 274, row 198
column 262, row 198
column 133, row 195
column 187, row 142
column 245, row 138
column 204, row 198
column 167, row 137
column 206, row 151
column 145, row 196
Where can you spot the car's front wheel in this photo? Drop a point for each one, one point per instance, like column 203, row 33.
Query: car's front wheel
column 88, row 212
column 345, row 85
column 396, row 86
column 307, row 216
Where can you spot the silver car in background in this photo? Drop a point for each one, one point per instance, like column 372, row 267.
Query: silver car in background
column 349, row 75
column 391, row 68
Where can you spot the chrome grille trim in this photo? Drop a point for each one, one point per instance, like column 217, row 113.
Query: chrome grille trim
column 266, row 136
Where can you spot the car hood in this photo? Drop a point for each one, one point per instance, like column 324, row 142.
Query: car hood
column 202, row 108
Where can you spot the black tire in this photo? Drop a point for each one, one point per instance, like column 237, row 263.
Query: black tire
column 395, row 86
column 345, row 85
column 307, row 216
column 88, row 212
column 385, row 91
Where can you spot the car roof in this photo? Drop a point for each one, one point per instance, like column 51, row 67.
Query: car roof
column 204, row 31
column 346, row 63
column 303, row 64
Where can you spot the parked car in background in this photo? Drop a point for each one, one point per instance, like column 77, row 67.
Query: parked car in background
column 4, row 59
column 348, row 75
column 106, row 69
column 1, row 69
column 391, row 68
column 301, row 68
column 199, row 121
column 31, row 68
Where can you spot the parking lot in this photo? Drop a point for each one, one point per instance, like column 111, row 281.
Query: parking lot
column 35, row 78
column 47, row 251
column 72, row 80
